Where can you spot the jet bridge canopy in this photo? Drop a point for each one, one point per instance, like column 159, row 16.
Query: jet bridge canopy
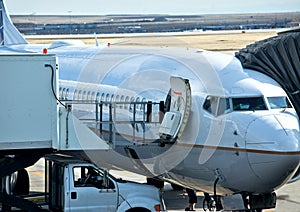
column 279, row 58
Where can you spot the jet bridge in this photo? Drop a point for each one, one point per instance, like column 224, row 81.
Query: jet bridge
column 279, row 58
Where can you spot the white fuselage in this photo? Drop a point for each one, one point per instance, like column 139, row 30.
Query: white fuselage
column 240, row 130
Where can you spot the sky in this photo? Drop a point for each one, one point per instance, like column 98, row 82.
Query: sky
column 172, row 7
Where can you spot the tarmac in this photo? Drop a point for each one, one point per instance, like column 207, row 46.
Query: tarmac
column 288, row 197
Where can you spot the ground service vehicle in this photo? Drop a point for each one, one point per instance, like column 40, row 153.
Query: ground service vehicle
column 76, row 185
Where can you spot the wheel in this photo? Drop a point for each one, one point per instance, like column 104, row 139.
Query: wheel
column 138, row 210
column 22, row 184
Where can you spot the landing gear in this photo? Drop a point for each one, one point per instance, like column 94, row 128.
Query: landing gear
column 212, row 203
column 256, row 203
column 208, row 203
column 239, row 203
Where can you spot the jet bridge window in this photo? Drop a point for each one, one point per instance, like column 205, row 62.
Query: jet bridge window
column 248, row 104
column 217, row 105
column 279, row 102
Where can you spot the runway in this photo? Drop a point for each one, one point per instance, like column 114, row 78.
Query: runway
column 288, row 197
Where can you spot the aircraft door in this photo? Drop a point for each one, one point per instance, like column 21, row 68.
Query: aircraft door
column 176, row 118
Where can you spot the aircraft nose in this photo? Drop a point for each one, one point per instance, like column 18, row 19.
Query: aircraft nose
column 272, row 144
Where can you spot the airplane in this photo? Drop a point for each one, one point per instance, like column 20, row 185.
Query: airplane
column 225, row 130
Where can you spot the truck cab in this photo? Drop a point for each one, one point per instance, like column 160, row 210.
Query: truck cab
column 76, row 185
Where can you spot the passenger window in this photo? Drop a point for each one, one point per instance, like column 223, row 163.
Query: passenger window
column 138, row 106
column 98, row 97
column 75, row 95
column 92, row 96
column 84, row 95
column 102, row 97
column 67, row 94
column 131, row 105
column 117, row 99
column 63, row 94
column 127, row 101
column 79, row 95
column 122, row 100
column 248, row 104
column 143, row 106
column 60, row 93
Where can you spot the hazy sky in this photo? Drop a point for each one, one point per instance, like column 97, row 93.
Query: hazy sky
column 102, row 7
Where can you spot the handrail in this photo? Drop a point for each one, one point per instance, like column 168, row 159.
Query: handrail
column 107, row 119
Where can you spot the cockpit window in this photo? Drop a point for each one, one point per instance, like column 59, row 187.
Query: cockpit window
column 211, row 104
column 224, row 106
column 249, row 103
column 279, row 102
column 217, row 105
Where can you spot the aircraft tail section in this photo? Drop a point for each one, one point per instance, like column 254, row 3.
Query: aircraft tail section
column 9, row 34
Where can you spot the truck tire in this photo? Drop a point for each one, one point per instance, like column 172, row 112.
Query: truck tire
column 138, row 210
column 22, row 184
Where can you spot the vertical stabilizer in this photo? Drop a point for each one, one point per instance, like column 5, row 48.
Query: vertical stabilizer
column 9, row 35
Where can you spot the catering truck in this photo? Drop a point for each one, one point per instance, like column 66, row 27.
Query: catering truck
column 76, row 185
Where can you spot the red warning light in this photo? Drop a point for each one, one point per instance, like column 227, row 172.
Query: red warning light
column 45, row 51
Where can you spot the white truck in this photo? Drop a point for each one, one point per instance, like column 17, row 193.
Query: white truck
column 76, row 185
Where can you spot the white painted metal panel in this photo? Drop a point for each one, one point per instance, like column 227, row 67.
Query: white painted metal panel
column 28, row 109
column 170, row 124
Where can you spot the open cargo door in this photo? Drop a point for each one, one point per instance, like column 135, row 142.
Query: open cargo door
column 176, row 118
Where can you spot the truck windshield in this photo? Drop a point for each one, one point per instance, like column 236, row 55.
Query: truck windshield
column 279, row 102
column 248, row 104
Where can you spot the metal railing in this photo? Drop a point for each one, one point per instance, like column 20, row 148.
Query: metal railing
column 112, row 120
